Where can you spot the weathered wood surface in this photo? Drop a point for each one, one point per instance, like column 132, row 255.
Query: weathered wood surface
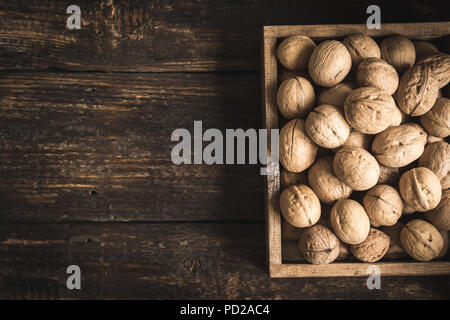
column 96, row 147
column 169, row 261
column 170, row 36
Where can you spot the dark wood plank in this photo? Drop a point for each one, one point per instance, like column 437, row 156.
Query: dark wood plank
column 96, row 147
column 165, row 35
column 169, row 261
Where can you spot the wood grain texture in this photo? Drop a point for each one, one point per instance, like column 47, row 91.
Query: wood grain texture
column 96, row 147
column 169, row 261
column 170, row 35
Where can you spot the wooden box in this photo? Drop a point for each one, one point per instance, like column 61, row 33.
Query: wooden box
column 277, row 255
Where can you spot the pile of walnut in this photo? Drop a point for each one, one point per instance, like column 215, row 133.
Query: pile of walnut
column 365, row 162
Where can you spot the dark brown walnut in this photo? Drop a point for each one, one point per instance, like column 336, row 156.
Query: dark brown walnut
column 344, row 251
column 421, row 189
column 326, row 126
column 336, row 95
column 324, row 182
column 388, row 175
column 395, row 250
column 421, row 240
column 373, row 248
column 300, row 206
column 444, row 250
column 400, row 145
column 436, row 157
column 440, row 65
column 294, row 52
column 356, row 167
column 383, row 205
column 369, row 110
column 329, row 63
column 361, row 46
column 319, row 245
column 424, row 49
column 297, row 150
column 377, row 73
column 288, row 178
column 437, row 121
column 399, row 52
column 418, row 90
column 440, row 216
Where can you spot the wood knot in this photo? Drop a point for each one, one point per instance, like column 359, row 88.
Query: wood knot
column 190, row 265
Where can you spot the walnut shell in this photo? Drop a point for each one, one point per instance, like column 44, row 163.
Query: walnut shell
column 369, row 110
column 300, row 206
column 420, row 189
column 357, row 139
column 297, row 151
column 395, row 250
column 295, row 97
column 288, row 178
column 360, row 47
column 349, row 221
column 437, row 121
column 356, row 167
column 319, row 245
column 432, row 139
column 417, row 90
column 326, row 126
column 440, row 65
column 325, row 184
column 444, row 250
column 294, row 52
column 440, row 216
column 400, row 145
column 399, row 52
column 407, row 209
column 424, row 49
column 383, row 205
column 373, row 248
column 377, row 73
column 421, row 240
column 329, row 64
column 445, row 182
column 288, row 74
column 289, row 232
column 388, row 175
column 398, row 118
column 436, row 157
column 336, row 95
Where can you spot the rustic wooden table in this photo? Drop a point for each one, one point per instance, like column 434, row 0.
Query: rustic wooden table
column 85, row 171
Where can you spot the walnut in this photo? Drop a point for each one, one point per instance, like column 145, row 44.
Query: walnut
column 300, row 206
column 325, row 184
column 329, row 63
column 289, row 232
column 399, row 52
column 344, row 251
column 445, row 182
column 432, row 139
column 424, row 49
column 349, row 221
column 336, row 95
column 407, row 209
column 288, row 178
column 357, row 139
column 377, row 73
column 383, row 205
column 444, row 250
column 326, row 126
column 294, row 52
column 417, row 90
column 436, row 157
column 400, row 145
column 440, row 65
column 421, row 240
column 319, row 245
column 369, row 110
column 297, row 151
column 398, row 118
column 356, row 167
column 388, row 175
column 295, row 97
column 440, row 216
column 373, row 248
column 437, row 121
column 288, row 74
column 360, row 47
column 395, row 250
column 420, row 189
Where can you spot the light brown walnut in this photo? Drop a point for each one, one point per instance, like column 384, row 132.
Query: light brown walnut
column 319, row 245
column 373, row 248
column 440, row 65
column 440, row 216
column 424, row 49
column 436, row 157
column 437, row 121
column 350, row 221
column 399, row 52
column 300, row 206
column 377, row 73
column 383, row 205
column 295, row 97
column 294, row 52
column 336, row 95
column 361, row 46
column 421, row 240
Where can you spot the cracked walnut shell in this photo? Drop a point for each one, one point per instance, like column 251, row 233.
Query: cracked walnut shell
column 383, row 205
column 350, row 221
column 300, row 206
column 421, row 240
column 373, row 248
column 421, row 189
column 319, row 245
